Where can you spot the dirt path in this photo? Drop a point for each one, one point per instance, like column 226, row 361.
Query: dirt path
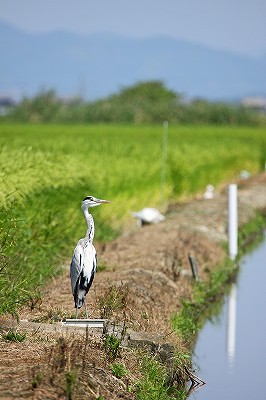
column 145, row 273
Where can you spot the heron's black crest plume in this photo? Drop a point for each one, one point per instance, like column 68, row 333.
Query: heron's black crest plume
column 88, row 198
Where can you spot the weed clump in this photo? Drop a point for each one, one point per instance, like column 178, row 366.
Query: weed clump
column 118, row 370
column 154, row 383
column 71, row 377
column 113, row 300
column 112, row 346
column 14, row 336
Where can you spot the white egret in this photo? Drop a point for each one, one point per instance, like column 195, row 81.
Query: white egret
column 209, row 192
column 148, row 215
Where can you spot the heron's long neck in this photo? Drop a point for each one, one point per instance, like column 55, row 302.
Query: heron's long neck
column 90, row 222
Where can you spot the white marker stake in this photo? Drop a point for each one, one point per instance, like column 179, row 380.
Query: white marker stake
column 232, row 221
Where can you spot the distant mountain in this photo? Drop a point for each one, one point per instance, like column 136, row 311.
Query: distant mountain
column 98, row 65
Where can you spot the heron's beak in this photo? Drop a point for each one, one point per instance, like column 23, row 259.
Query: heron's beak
column 100, row 201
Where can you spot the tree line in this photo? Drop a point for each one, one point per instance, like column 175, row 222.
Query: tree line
column 148, row 102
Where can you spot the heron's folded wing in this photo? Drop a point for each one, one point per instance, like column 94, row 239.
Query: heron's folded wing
column 76, row 266
column 90, row 260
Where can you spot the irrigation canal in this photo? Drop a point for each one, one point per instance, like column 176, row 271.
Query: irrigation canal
column 230, row 352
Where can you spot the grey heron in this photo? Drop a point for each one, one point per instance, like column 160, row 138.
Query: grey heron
column 84, row 260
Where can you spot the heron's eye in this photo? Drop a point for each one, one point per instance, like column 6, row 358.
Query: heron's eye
column 88, row 198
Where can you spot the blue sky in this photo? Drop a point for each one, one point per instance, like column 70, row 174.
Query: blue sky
column 233, row 25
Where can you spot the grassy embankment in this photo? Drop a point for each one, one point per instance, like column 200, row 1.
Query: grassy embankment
column 47, row 170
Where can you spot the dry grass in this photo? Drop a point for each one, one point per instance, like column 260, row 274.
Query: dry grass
column 58, row 366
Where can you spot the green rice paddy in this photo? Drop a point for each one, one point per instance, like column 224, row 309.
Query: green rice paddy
column 46, row 170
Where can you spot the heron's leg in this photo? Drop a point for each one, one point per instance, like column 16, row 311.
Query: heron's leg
column 86, row 309
column 76, row 312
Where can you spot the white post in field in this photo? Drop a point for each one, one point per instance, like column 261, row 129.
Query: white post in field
column 232, row 221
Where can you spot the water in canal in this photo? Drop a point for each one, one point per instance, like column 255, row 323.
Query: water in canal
column 230, row 353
